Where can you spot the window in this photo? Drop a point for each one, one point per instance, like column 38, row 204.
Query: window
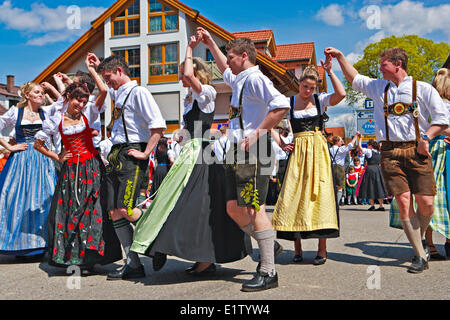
column 133, row 58
column 161, row 18
column 164, row 62
column 127, row 22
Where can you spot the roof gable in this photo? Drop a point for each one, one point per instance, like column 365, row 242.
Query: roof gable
column 96, row 32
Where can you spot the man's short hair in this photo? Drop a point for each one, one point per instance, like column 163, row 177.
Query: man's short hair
column 112, row 63
column 241, row 45
column 396, row 54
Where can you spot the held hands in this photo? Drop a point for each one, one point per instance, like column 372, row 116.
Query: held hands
column 328, row 64
column 204, row 36
column 64, row 78
column 333, row 52
column 194, row 41
column 92, row 61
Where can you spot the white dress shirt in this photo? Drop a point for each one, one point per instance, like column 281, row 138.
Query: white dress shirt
column 259, row 98
column 141, row 114
column 221, row 145
column 339, row 154
column 401, row 128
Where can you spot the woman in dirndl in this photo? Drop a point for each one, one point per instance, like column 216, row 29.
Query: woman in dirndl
column 80, row 231
column 372, row 183
column 188, row 216
column 27, row 181
column 304, row 209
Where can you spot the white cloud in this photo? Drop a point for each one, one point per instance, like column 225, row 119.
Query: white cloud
column 332, row 15
column 410, row 17
column 42, row 25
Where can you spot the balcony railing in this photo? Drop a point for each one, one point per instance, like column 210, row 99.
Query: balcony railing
column 216, row 74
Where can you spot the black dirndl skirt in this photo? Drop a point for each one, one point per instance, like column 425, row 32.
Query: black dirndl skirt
column 199, row 228
column 80, row 230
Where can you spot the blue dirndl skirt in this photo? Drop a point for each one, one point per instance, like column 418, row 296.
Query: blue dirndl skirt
column 27, row 184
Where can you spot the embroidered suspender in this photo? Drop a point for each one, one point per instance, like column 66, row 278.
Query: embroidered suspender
column 415, row 111
column 117, row 113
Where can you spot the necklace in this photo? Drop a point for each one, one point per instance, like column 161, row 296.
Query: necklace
column 31, row 114
column 72, row 116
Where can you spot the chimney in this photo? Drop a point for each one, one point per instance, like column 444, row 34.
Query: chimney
column 10, row 83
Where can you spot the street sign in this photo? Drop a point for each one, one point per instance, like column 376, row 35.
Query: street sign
column 368, row 104
column 366, row 124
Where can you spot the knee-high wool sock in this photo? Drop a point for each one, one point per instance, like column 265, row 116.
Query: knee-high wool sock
column 412, row 231
column 124, row 232
column 265, row 241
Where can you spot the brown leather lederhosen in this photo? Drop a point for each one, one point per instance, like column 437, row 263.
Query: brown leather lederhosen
column 403, row 168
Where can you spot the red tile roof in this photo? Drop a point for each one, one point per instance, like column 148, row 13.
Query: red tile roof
column 321, row 72
column 295, row 51
column 255, row 36
column 5, row 92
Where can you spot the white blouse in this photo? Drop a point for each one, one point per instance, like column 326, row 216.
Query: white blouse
column 9, row 118
column 324, row 101
column 50, row 128
column 206, row 100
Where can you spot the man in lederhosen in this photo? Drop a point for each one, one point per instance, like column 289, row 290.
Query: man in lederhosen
column 257, row 107
column 138, row 125
column 403, row 108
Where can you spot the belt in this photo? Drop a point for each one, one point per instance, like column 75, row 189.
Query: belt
column 400, row 109
column 389, row 145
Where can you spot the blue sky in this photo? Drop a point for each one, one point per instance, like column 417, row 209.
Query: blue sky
column 33, row 33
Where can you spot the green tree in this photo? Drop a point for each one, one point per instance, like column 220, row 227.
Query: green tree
column 425, row 58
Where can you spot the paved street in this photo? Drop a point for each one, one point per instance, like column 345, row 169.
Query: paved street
column 368, row 262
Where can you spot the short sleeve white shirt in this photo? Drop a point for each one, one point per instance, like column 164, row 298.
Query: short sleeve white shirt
column 401, row 128
column 259, row 98
column 141, row 114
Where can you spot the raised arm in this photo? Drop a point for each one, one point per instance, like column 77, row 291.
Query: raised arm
column 49, row 88
column 91, row 65
column 339, row 90
column 347, row 68
column 188, row 68
column 219, row 57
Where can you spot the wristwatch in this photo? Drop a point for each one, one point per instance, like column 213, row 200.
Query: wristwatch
column 426, row 137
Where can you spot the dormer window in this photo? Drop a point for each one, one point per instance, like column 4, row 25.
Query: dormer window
column 127, row 22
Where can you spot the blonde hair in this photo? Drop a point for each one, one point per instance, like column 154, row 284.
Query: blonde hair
column 201, row 70
column 24, row 90
column 442, row 83
column 310, row 72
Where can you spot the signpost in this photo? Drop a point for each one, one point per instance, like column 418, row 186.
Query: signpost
column 366, row 122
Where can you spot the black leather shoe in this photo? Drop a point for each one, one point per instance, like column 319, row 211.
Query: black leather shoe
column 427, row 249
column 159, row 260
column 447, row 249
column 297, row 258
column 277, row 250
column 210, row 270
column 191, row 268
column 261, row 281
column 372, row 208
column 418, row 265
column 319, row 261
column 380, row 209
column 127, row 273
